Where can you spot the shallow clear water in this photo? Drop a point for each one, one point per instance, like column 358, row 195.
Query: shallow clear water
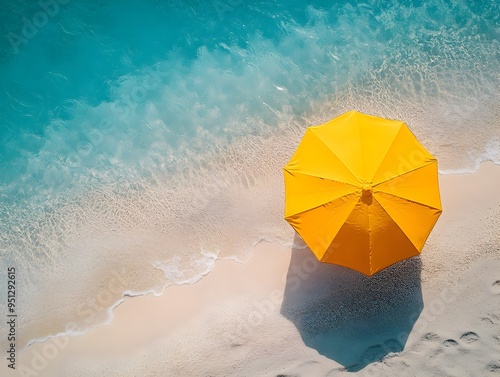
column 148, row 138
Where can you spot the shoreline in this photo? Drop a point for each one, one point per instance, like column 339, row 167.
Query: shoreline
column 146, row 322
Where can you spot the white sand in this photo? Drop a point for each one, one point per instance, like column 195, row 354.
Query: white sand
column 270, row 316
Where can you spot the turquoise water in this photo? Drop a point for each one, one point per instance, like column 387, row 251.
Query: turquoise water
column 148, row 137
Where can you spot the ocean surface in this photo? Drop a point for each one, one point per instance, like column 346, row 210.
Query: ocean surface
column 140, row 141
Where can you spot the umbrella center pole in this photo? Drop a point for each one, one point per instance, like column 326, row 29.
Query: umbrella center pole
column 367, row 190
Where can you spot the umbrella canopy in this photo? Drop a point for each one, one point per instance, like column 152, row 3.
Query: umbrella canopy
column 362, row 192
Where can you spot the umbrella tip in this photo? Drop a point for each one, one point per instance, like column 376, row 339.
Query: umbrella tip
column 367, row 190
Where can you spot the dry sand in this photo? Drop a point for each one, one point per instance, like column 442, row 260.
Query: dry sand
column 284, row 314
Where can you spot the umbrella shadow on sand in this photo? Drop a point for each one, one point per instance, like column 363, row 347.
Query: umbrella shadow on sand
column 348, row 317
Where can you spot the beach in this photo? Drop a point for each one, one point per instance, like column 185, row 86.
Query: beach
column 142, row 193
column 282, row 313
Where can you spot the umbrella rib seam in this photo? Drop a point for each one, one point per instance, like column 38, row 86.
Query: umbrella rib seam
column 402, row 231
column 291, row 172
column 409, row 200
column 360, row 146
column 337, row 157
column 343, row 223
column 321, row 205
column 388, row 149
column 409, row 171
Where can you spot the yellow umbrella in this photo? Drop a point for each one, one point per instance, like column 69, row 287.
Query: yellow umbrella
column 362, row 192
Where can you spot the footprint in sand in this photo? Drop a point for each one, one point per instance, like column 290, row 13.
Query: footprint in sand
column 493, row 367
column 487, row 320
column 450, row 343
column 469, row 337
column 431, row 336
column 495, row 287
